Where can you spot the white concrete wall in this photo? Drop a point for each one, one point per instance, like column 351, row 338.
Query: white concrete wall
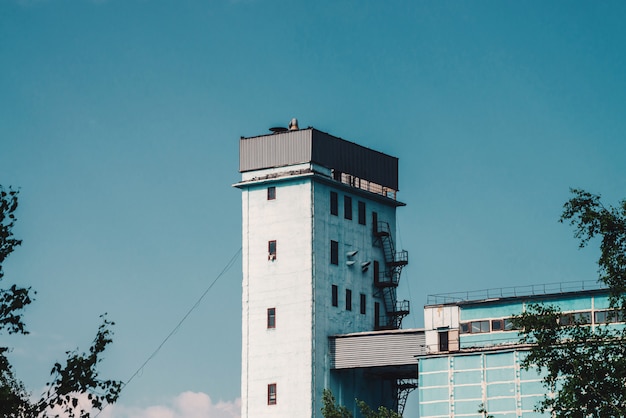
column 281, row 355
column 437, row 317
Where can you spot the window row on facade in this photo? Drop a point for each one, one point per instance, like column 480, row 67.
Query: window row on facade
column 334, row 205
column 347, row 207
column 272, row 252
column 335, row 299
column 605, row 316
column 571, row 318
column 493, row 325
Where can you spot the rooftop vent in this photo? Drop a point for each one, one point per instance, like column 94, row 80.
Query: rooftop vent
column 293, row 125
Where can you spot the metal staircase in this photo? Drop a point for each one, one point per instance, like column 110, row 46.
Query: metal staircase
column 403, row 388
column 386, row 281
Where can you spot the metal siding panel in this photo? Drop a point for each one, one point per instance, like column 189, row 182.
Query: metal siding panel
column 275, row 150
column 355, row 159
column 376, row 350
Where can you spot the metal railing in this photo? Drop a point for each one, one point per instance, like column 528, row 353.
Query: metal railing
column 363, row 184
column 515, row 291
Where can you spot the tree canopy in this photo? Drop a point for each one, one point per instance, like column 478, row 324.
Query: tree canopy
column 584, row 368
column 332, row 410
column 75, row 388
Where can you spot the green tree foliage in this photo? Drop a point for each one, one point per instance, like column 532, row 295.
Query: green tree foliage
column 74, row 383
column 382, row 412
column 332, row 410
column 584, row 368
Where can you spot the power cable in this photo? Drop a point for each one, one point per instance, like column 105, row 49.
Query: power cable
column 230, row 263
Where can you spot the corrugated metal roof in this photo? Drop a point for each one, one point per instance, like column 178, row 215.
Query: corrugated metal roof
column 310, row 145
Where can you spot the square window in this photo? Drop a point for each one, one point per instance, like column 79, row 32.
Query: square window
column 334, row 252
column 607, row 317
column 271, row 394
column 361, row 213
column 465, row 328
column 271, row 249
column 271, row 193
column 335, row 296
column 271, row 317
column 348, row 300
column 480, row 327
column 602, row 317
column 583, row 318
column 347, row 207
column 363, row 301
column 334, row 204
column 497, row 324
column 509, row 325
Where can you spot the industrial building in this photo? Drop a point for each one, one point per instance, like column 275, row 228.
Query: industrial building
column 319, row 304
column 473, row 352
column 320, row 272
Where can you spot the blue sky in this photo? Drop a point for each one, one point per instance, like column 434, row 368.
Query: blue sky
column 119, row 122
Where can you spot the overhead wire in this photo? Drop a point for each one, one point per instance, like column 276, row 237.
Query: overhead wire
column 139, row 370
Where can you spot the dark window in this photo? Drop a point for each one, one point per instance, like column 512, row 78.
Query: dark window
column 271, row 249
column 271, row 193
column 347, row 207
column 376, row 315
column 362, row 213
column 375, row 222
column 335, row 296
column 497, row 324
column 576, row 318
column 271, row 394
column 363, row 301
column 376, row 272
column 465, row 328
column 334, row 205
column 443, row 340
column 348, row 300
column 271, row 317
column 334, row 252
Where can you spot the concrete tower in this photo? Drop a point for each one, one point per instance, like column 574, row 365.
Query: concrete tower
column 318, row 214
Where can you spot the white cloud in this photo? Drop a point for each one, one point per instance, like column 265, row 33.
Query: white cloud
column 185, row 405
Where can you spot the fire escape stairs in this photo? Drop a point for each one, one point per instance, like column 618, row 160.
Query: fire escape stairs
column 403, row 388
column 387, row 280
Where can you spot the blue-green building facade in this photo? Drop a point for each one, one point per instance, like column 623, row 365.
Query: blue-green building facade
column 473, row 352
